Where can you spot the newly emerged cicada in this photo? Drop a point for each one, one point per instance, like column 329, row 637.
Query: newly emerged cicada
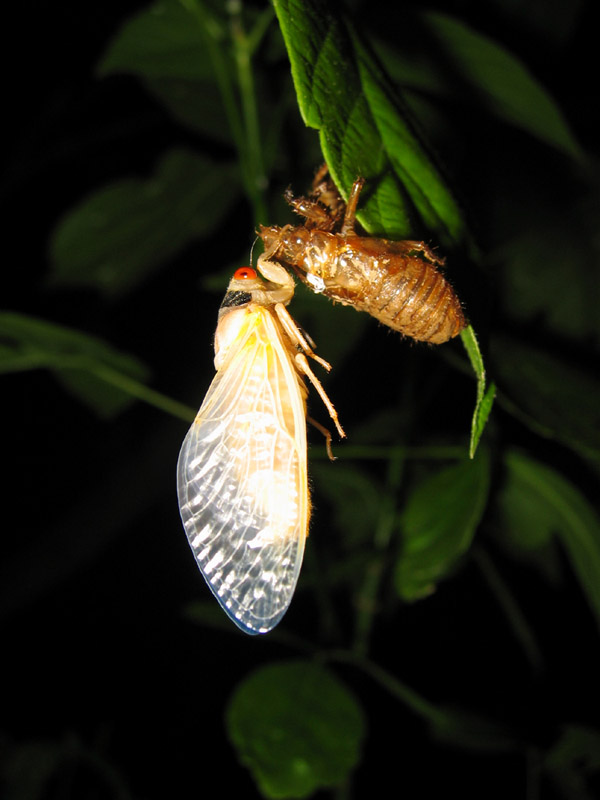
column 400, row 283
column 242, row 475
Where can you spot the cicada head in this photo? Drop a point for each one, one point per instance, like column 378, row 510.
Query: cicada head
column 286, row 244
column 246, row 290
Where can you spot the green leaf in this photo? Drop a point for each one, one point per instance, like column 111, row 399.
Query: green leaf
column 27, row 769
column 577, row 743
column 553, row 398
column 455, row 61
column 33, row 769
column 164, row 40
column 502, row 83
column 559, row 508
column 165, row 46
column 296, row 727
column 198, row 105
column 124, row 232
column 526, row 524
column 485, row 395
column 364, row 127
column 88, row 367
column 438, row 524
column 573, row 760
column 550, row 271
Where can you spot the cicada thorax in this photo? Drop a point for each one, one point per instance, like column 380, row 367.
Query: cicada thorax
column 397, row 282
column 248, row 293
column 308, row 252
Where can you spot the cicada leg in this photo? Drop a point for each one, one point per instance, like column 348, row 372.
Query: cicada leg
column 409, row 246
column 351, row 205
column 297, row 338
column 316, row 215
column 274, row 272
column 304, row 367
column 322, row 429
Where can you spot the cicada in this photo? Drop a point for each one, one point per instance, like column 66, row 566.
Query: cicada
column 400, row 283
column 242, row 473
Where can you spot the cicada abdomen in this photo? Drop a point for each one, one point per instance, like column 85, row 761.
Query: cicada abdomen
column 400, row 283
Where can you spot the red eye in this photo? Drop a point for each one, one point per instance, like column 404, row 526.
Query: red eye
column 244, row 274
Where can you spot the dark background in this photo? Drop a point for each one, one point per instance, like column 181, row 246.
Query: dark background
column 96, row 571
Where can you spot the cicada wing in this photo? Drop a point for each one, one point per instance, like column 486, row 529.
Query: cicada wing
column 242, row 482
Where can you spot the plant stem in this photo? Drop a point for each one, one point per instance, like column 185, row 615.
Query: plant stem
column 367, row 597
column 369, row 452
column 214, row 36
column 143, row 392
column 507, row 602
column 243, row 123
column 534, row 769
column 407, row 696
column 239, row 100
column 251, row 154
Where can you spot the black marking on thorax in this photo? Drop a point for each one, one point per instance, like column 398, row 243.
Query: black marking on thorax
column 236, row 298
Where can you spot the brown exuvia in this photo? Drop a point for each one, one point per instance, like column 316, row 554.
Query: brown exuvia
column 400, row 283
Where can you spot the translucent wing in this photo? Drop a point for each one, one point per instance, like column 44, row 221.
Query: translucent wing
column 241, row 478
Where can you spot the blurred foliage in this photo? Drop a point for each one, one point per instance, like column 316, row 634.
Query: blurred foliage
column 462, row 144
column 431, row 543
column 113, row 241
column 292, row 754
